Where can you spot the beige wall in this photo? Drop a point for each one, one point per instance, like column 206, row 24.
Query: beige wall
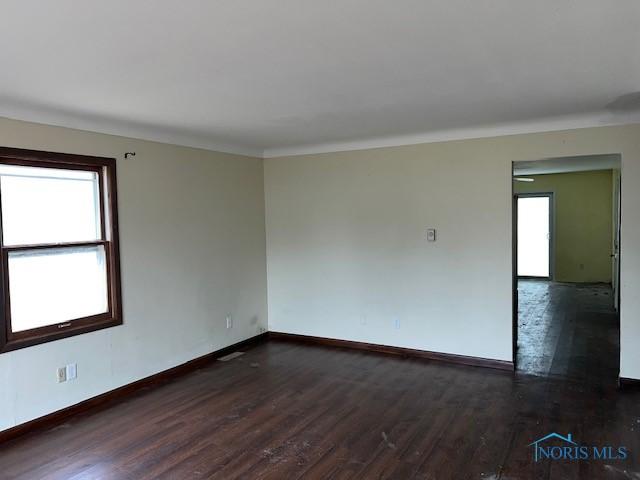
column 583, row 222
column 346, row 253
column 192, row 250
column 346, row 249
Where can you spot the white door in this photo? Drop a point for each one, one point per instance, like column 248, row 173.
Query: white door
column 616, row 245
column 534, row 236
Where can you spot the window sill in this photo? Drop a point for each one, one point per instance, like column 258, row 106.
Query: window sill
column 71, row 331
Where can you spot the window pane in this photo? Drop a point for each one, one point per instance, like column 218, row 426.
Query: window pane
column 47, row 205
column 56, row 285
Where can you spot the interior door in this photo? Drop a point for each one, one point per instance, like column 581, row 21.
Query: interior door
column 534, row 235
column 616, row 242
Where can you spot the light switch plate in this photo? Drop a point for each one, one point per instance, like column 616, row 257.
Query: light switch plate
column 431, row 235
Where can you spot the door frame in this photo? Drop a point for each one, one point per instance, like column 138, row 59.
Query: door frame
column 552, row 232
column 514, row 256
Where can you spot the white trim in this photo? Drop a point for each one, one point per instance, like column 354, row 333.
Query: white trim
column 568, row 122
column 195, row 140
column 129, row 130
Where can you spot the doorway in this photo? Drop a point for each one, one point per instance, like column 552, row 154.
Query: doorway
column 566, row 251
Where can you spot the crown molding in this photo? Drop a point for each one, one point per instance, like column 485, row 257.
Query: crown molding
column 123, row 128
column 205, row 142
column 551, row 124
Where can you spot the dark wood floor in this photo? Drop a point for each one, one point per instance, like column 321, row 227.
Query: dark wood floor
column 568, row 331
column 287, row 411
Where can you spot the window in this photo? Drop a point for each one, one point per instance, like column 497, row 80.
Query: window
column 59, row 272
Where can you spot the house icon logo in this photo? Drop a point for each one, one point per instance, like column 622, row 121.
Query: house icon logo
column 538, row 449
column 559, row 447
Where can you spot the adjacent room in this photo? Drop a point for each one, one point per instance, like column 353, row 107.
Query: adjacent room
column 315, row 240
column 568, row 252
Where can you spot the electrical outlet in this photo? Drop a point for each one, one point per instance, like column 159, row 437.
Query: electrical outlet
column 396, row 323
column 229, row 321
column 72, row 371
column 62, row 374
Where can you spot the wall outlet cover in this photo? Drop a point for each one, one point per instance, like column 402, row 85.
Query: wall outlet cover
column 72, row 371
column 61, row 374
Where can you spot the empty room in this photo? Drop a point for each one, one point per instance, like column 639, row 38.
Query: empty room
column 320, row 240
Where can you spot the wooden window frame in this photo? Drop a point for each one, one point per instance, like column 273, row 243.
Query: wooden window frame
column 106, row 171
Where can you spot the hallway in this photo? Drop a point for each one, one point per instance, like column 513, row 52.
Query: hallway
column 569, row 331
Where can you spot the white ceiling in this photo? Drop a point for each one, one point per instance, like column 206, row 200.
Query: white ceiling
column 269, row 77
column 582, row 163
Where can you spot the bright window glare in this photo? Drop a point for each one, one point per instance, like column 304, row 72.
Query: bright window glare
column 53, row 286
column 46, row 205
column 533, row 236
column 16, row 170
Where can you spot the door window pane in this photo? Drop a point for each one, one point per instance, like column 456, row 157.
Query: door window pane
column 48, row 205
column 50, row 286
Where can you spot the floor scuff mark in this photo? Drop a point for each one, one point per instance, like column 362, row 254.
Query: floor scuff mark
column 626, row 473
column 386, row 440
